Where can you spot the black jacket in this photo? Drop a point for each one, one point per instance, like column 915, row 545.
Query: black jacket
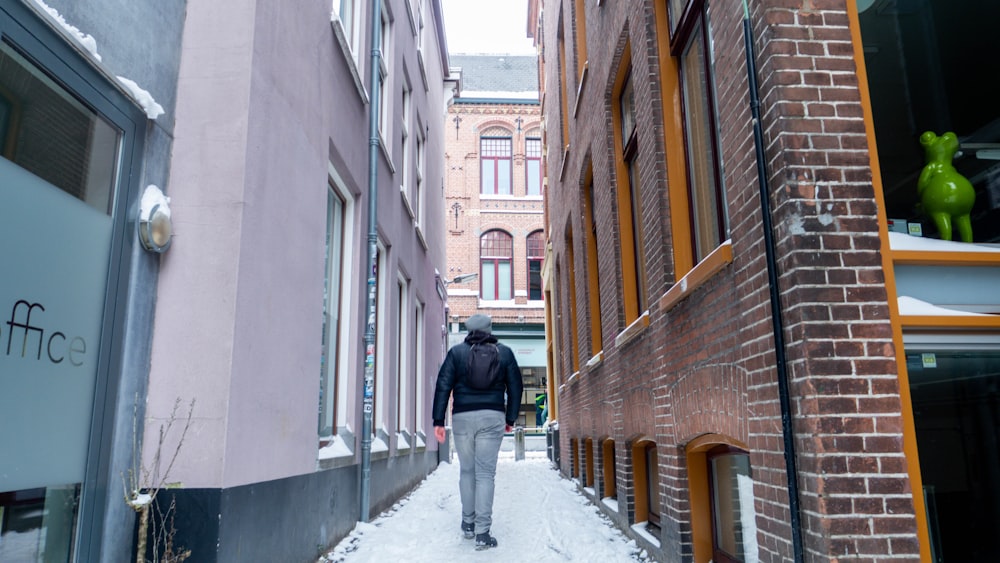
column 451, row 381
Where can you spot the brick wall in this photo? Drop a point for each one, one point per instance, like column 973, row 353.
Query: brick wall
column 707, row 364
column 469, row 215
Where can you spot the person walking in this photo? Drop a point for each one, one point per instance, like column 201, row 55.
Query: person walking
column 484, row 382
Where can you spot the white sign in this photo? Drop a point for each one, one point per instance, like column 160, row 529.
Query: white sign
column 53, row 279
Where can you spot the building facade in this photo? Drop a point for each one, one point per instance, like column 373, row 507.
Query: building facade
column 773, row 339
column 226, row 367
column 493, row 197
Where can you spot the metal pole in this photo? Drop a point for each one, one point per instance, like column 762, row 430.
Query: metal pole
column 368, row 397
column 777, row 324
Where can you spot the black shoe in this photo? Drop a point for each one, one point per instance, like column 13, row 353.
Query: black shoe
column 485, row 541
column 469, row 530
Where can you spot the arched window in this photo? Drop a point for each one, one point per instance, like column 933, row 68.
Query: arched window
column 495, row 151
column 588, row 463
column 496, row 253
column 646, row 475
column 728, row 477
column 536, row 254
column 721, row 487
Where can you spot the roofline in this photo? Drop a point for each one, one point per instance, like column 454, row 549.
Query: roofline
column 514, row 101
column 439, row 31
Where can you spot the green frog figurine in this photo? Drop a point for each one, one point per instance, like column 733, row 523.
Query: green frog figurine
column 945, row 195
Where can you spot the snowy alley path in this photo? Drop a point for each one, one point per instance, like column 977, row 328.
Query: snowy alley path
column 537, row 516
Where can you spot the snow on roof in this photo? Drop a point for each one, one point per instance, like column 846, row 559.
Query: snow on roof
column 497, row 73
column 499, row 94
column 913, row 306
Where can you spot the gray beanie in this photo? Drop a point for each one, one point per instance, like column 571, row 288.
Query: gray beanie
column 479, row 322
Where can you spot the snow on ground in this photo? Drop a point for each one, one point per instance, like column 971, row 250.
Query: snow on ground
column 537, row 516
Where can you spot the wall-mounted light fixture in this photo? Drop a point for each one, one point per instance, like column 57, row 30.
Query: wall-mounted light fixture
column 155, row 227
column 463, row 278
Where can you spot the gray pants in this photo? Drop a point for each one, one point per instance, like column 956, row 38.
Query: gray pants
column 477, row 439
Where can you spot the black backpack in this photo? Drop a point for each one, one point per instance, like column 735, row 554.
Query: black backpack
column 483, row 370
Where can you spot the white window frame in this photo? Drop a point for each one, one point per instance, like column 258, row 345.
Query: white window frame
column 379, row 421
column 403, row 384
column 343, row 375
column 385, row 99
column 406, row 188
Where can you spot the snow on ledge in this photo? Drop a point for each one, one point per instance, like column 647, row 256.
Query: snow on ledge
column 640, row 528
column 86, row 40
column 912, row 306
column 611, row 503
column 337, row 448
column 903, row 241
column 142, row 97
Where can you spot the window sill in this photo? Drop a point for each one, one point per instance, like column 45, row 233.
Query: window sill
column 338, row 31
column 702, row 272
column 579, row 88
column 385, row 152
column 565, row 161
column 633, row 330
column 334, row 452
column 640, row 529
column 420, row 236
column 406, row 201
column 596, row 360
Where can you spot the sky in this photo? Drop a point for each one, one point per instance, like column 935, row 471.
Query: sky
column 538, row 516
column 487, row 27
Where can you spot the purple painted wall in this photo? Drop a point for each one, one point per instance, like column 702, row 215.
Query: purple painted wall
column 266, row 104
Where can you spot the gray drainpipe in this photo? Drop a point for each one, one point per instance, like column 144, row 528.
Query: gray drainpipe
column 373, row 150
column 777, row 325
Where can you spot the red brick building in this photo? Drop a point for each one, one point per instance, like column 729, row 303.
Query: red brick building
column 751, row 364
column 494, row 214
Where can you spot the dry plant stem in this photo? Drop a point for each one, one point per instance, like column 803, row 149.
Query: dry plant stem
column 154, row 481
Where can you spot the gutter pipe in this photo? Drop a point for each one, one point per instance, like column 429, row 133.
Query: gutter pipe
column 368, row 396
column 781, row 364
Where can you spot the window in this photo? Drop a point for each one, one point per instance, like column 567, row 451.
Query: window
column 563, row 97
column 347, row 12
column 533, row 165
column 385, row 103
column 418, row 369
column 72, row 151
column 629, row 204
column 574, row 457
column 581, row 37
column 610, row 470
column 692, row 62
column 722, row 528
column 918, row 82
column 536, row 255
column 588, row 463
column 496, row 253
column 953, row 386
column 418, row 185
column 403, row 367
column 574, row 334
column 495, row 164
column 645, row 471
column 729, row 476
column 406, row 179
column 593, row 268
column 332, row 302
column 653, row 487
column 381, row 357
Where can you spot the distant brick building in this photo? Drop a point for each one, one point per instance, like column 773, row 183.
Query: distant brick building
column 493, row 192
column 751, row 364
